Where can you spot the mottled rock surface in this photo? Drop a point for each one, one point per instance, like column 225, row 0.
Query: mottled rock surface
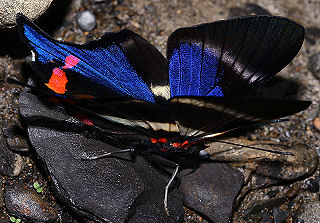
column 30, row 8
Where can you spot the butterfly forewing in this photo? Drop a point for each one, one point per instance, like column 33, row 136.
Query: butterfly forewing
column 122, row 64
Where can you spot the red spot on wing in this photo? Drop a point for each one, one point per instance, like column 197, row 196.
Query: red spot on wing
column 71, row 61
column 83, row 96
column 58, row 81
column 176, row 144
column 55, row 100
column 163, row 150
column 162, row 140
column 181, row 145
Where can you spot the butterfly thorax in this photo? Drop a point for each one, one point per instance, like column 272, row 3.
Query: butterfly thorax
column 165, row 147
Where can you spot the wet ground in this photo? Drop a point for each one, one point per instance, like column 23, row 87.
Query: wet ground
column 155, row 20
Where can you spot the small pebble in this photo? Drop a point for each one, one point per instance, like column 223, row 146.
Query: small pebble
column 314, row 65
column 273, row 193
column 86, row 21
column 26, row 203
column 312, row 34
column 312, row 185
column 279, row 216
column 11, row 164
column 316, row 123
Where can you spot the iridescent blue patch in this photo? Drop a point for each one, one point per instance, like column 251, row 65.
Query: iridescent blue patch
column 193, row 71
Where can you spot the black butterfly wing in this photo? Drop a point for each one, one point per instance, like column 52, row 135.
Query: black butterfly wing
column 230, row 57
column 121, row 63
column 210, row 116
column 126, row 116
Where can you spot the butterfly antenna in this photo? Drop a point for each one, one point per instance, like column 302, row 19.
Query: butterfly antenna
column 130, row 150
column 255, row 148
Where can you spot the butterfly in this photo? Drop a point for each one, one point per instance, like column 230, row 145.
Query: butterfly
column 168, row 107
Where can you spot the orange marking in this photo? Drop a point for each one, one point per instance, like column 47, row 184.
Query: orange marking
column 153, row 140
column 71, row 61
column 58, row 81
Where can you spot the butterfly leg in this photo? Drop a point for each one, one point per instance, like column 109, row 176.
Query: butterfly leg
column 130, row 150
column 165, row 201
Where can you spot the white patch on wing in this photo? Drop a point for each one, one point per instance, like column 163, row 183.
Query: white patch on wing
column 155, row 126
column 163, row 91
column 33, row 56
column 229, row 111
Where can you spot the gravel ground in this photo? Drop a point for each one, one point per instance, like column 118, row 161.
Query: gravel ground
column 155, row 20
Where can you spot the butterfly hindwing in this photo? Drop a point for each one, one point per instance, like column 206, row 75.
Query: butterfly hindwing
column 230, row 57
column 125, row 114
column 205, row 116
column 118, row 64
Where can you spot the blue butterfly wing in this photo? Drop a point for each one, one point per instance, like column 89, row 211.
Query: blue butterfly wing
column 230, row 57
column 121, row 64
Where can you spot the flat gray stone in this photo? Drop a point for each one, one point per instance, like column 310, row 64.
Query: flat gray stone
column 105, row 190
column 211, row 190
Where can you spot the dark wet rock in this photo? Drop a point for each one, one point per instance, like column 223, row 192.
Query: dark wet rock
column 211, row 190
column 258, row 206
column 10, row 163
column 273, row 193
column 310, row 212
column 107, row 190
column 86, row 21
column 66, row 217
column 1, row 193
column 15, row 137
column 248, row 9
column 2, row 73
column 264, row 217
column 313, row 184
column 279, row 216
column 26, row 203
column 293, row 190
column 314, row 65
column 312, row 34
